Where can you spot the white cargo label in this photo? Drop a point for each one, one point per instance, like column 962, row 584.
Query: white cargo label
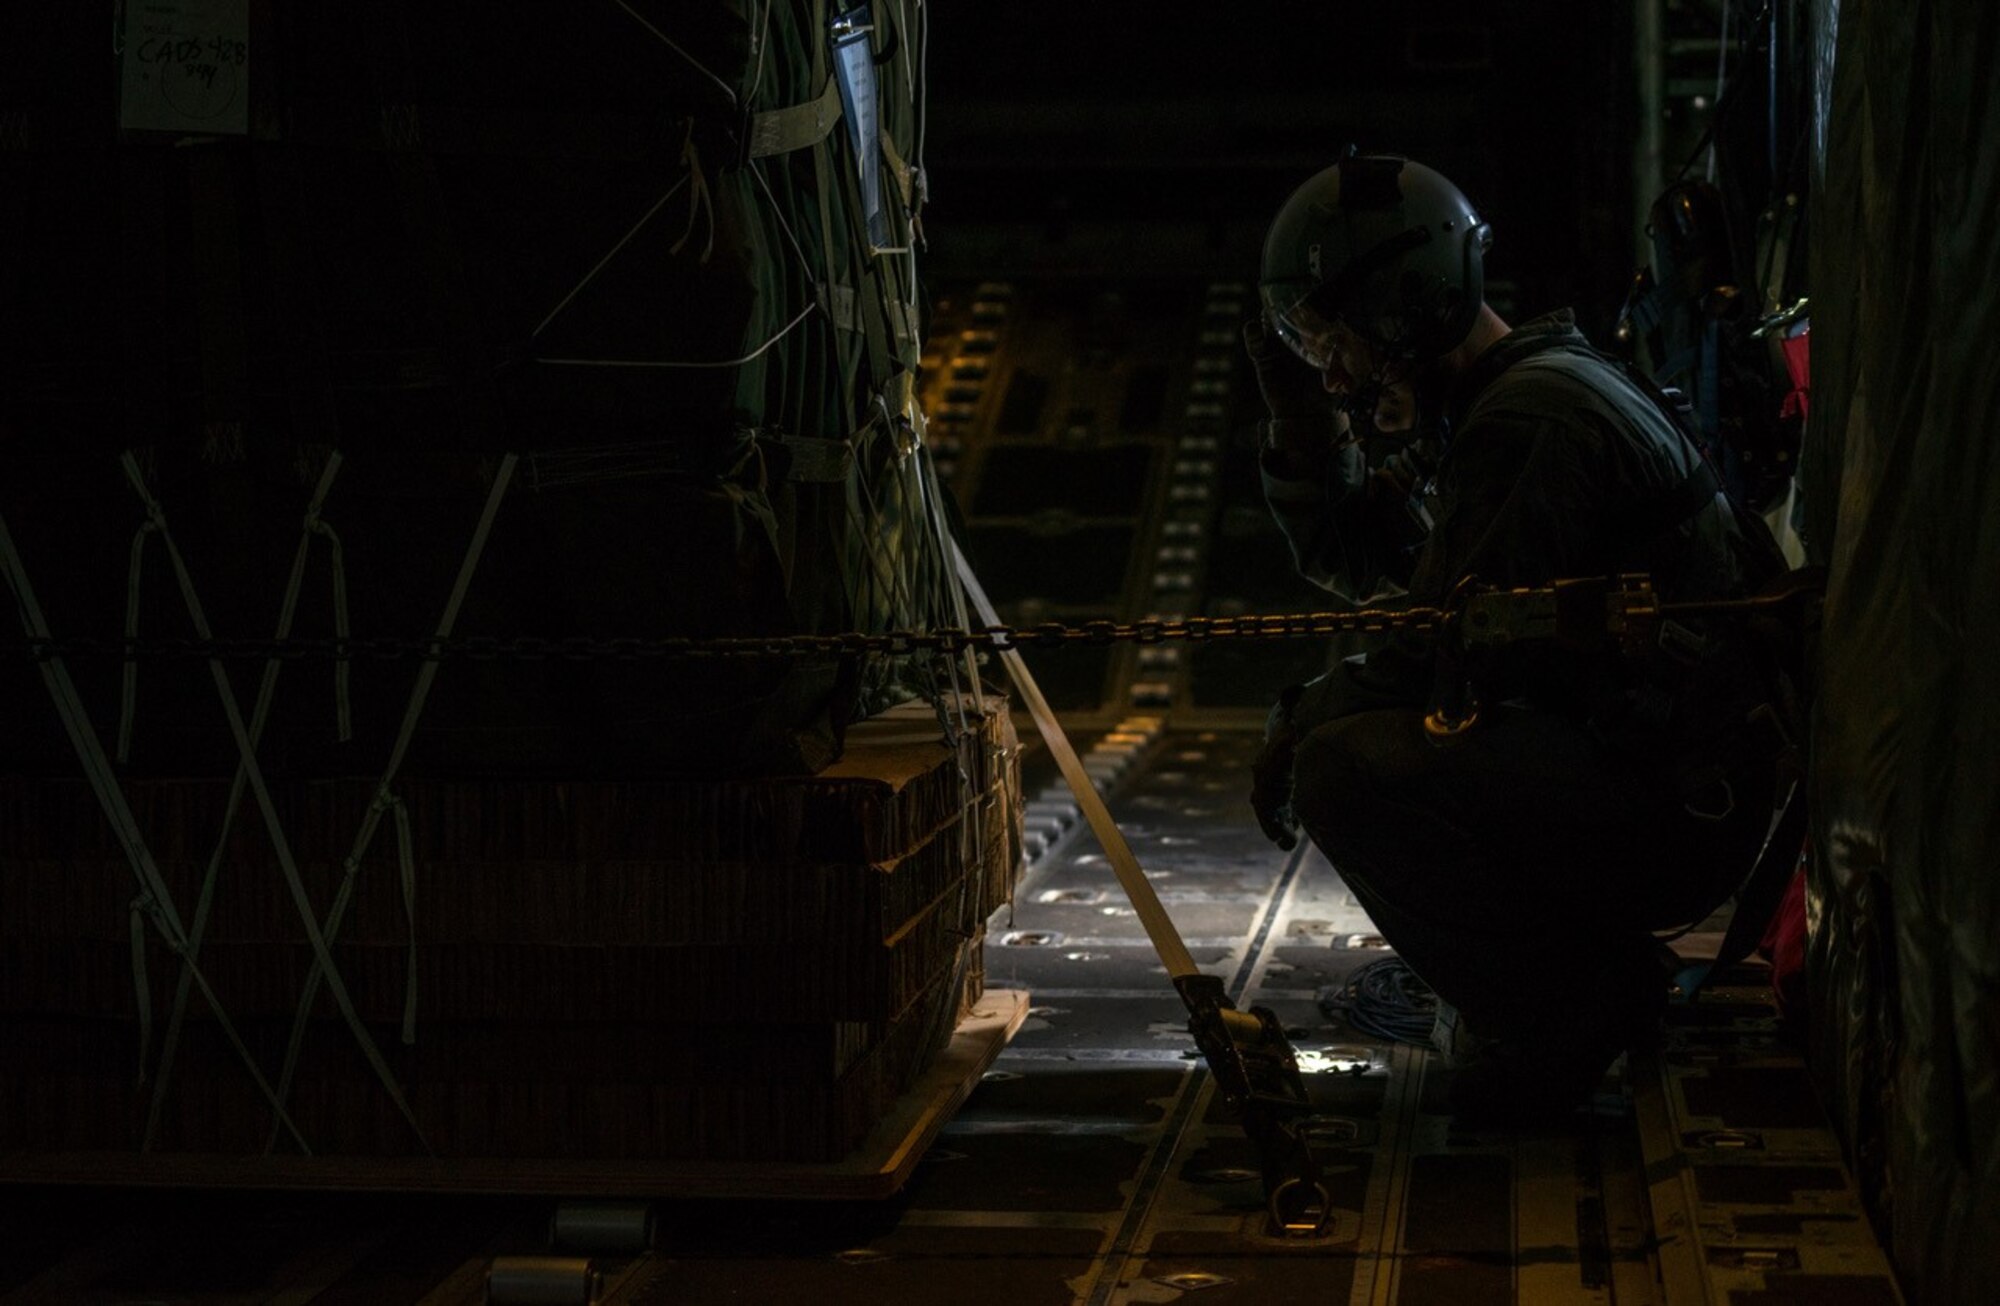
column 185, row 66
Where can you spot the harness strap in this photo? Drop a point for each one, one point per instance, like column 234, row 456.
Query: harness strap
column 1663, row 511
column 1758, row 896
column 1685, row 500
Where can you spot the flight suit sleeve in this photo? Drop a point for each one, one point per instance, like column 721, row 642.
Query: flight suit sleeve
column 1335, row 524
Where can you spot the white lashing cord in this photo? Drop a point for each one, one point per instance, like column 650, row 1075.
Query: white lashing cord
column 142, row 987
column 259, row 715
column 154, row 899
column 1159, row 927
column 609, row 254
column 280, row 845
column 700, row 200
column 760, row 33
column 750, row 357
column 407, row 861
column 342, row 714
column 385, row 801
column 128, row 703
column 343, row 710
column 670, row 43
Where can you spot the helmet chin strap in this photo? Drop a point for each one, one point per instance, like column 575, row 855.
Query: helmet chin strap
column 1427, row 421
column 1359, row 403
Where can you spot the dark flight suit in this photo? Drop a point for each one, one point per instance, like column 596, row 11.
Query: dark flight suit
column 1520, row 869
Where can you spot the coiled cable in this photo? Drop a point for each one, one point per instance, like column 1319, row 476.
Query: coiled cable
column 1384, row 999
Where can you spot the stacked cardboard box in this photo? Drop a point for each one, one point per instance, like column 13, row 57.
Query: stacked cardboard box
column 729, row 970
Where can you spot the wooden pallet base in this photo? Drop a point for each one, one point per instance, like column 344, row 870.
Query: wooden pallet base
column 876, row 1170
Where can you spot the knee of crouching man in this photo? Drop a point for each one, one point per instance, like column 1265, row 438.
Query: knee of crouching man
column 1331, row 777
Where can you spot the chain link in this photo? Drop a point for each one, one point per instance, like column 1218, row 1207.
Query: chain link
column 945, row 640
column 1496, row 615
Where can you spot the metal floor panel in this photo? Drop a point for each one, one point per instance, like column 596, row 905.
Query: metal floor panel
column 1751, row 1198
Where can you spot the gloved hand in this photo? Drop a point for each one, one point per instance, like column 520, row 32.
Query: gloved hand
column 1401, row 513
column 1290, row 388
column 1401, row 474
column 1271, row 776
column 1305, row 423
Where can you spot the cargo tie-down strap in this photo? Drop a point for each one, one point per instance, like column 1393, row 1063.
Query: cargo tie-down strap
column 1253, row 1062
column 795, row 127
column 1159, row 926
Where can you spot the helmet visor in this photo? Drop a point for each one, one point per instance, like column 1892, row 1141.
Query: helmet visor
column 1307, row 334
column 1303, row 331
